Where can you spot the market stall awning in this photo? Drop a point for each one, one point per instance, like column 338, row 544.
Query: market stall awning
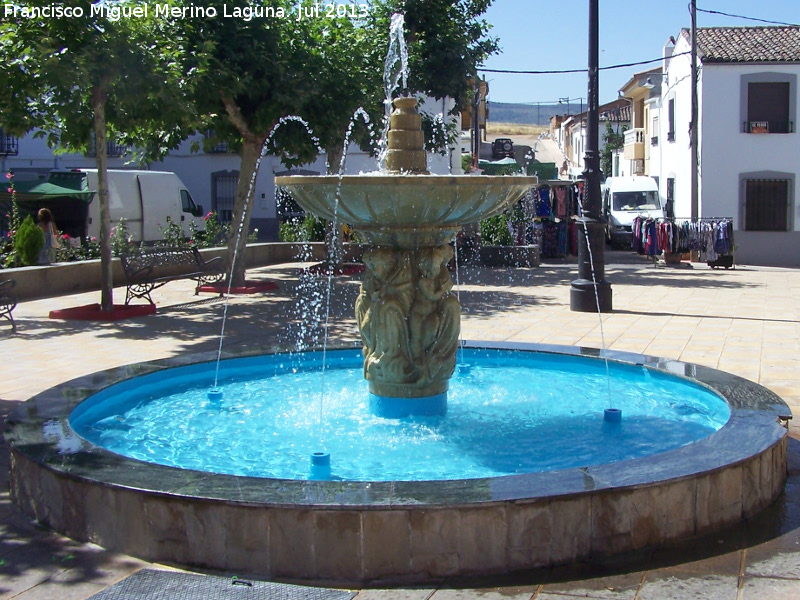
column 35, row 191
column 504, row 166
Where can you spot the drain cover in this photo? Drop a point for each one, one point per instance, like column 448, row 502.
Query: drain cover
column 170, row 585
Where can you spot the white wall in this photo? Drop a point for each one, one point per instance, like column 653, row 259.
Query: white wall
column 726, row 153
column 676, row 155
column 35, row 158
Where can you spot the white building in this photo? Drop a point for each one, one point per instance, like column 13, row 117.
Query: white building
column 641, row 154
column 211, row 177
column 572, row 134
column 749, row 147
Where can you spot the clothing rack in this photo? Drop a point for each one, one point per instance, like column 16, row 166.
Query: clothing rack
column 710, row 237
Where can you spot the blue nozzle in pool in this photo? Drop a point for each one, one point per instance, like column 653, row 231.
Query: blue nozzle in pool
column 320, row 469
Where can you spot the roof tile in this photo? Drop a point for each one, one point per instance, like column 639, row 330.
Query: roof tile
column 748, row 44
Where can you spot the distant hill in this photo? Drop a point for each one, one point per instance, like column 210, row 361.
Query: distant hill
column 529, row 114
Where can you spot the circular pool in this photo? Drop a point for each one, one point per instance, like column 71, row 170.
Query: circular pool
column 508, row 413
column 357, row 529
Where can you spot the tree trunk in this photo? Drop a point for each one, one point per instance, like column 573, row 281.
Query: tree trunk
column 242, row 209
column 106, row 273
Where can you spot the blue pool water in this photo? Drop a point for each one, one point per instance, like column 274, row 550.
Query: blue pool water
column 513, row 412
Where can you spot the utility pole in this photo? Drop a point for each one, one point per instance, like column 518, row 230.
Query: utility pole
column 693, row 136
column 476, row 130
column 591, row 292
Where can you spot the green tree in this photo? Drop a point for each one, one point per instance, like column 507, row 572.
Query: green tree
column 447, row 40
column 613, row 140
column 249, row 75
column 252, row 74
column 81, row 81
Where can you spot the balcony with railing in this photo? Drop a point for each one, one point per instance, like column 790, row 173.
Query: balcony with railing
column 634, row 144
column 213, row 145
column 9, row 144
column 113, row 150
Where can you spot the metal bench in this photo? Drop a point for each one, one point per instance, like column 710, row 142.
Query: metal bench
column 8, row 301
column 153, row 267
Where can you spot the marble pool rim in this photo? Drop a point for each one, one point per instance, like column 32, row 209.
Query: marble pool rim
column 753, row 427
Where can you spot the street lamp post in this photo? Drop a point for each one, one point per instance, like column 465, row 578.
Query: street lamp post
column 591, row 292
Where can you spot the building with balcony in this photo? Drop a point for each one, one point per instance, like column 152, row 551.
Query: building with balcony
column 747, row 136
column 643, row 93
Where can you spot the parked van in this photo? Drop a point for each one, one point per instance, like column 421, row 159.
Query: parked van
column 145, row 199
column 624, row 199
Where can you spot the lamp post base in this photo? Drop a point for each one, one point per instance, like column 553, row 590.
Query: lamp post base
column 584, row 298
column 591, row 268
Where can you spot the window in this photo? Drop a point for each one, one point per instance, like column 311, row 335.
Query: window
column 188, row 205
column 768, row 107
column 9, row 144
column 768, row 102
column 654, row 131
column 113, row 150
column 214, row 145
column 671, row 117
column 223, row 192
column 766, row 205
column 636, row 201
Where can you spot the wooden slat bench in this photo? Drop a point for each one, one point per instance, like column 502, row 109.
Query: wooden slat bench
column 8, row 301
column 153, row 267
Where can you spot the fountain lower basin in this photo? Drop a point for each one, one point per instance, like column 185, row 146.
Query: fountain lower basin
column 360, row 532
column 510, row 413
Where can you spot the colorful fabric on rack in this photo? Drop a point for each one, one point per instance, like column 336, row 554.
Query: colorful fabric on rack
column 561, row 201
column 549, row 239
column 543, row 208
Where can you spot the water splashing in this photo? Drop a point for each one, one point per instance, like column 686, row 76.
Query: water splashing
column 395, row 68
column 240, row 225
column 597, row 300
column 398, row 52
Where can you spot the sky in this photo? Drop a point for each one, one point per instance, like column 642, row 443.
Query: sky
column 537, row 36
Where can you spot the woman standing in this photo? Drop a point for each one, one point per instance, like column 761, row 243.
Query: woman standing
column 48, row 227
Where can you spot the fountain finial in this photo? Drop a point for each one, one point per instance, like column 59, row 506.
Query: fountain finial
column 406, row 152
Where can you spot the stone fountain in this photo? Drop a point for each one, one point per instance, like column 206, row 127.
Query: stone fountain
column 407, row 315
column 354, row 532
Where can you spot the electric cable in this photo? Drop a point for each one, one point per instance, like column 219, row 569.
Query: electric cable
column 724, row 14
column 566, row 71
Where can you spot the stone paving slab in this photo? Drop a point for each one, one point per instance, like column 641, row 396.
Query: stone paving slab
column 744, row 320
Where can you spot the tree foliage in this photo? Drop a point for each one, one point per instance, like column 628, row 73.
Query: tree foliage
column 79, row 81
column 447, row 40
column 614, row 140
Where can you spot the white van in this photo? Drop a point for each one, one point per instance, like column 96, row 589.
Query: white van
column 143, row 198
column 624, row 199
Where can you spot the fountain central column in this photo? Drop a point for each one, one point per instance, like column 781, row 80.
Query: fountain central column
column 407, row 315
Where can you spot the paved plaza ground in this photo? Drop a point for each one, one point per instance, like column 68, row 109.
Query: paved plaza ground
column 744, row 320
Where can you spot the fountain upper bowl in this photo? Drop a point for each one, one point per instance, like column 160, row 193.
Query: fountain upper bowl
column 406, row 210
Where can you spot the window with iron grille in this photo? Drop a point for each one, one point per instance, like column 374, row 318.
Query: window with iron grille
column 766, row 205
column 215, row 145
column 113, row 150
column 9, row 144
column 224, row 185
